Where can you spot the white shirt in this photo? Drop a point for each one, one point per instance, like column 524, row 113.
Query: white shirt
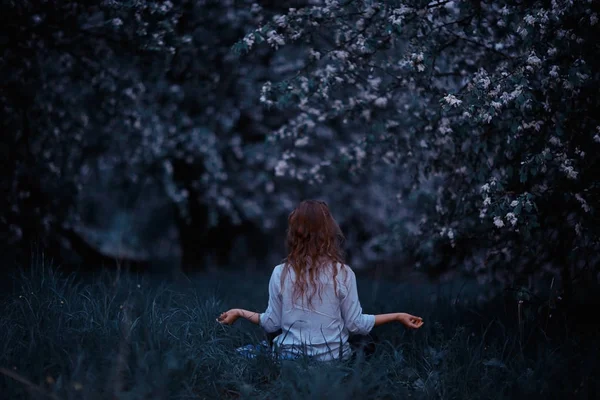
column 320, row 331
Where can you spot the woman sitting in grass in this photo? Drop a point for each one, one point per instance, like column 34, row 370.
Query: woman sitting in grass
column 313, row 300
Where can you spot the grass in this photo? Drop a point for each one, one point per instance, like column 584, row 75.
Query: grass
column 67, row 337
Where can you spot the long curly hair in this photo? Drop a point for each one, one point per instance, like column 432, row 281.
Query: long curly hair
column 314, row 243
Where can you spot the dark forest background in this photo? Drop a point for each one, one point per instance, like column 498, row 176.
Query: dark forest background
column 151, row 152
column 447, row 137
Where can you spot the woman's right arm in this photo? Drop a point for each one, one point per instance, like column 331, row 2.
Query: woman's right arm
column 410, row 321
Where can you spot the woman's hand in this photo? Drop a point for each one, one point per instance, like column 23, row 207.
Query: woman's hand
column 229, row 317
column 410, row 321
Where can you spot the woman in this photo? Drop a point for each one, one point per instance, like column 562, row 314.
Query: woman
column 313, row 299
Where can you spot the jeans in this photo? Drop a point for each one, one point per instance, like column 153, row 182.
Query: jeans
column 359, row 343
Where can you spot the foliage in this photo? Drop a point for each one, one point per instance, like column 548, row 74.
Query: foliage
column 128, row 337
column 487, row 111
column 69, row 86
column 444, row 135
column 125, row 96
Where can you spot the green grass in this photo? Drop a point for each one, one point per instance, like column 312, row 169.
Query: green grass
column 134, row 338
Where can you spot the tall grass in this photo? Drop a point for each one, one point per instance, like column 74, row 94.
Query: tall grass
column 132, row 338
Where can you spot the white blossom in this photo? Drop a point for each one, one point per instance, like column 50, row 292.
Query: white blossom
column 301, row 142
column 281, row 167
column 555, row 141
column 514, row 203
column 510, row 217
column 249, row 40
column 530, row 19
column 498, row 222
column 533, row 60
column 381, row 102
column 280, row 20
column 569, row 171
column 275, row 39
column 482, row 79
column 496, row 105
column 314, row 54
column 522, row 32
column 166, row 6
column 584, row 203
column 452, row 100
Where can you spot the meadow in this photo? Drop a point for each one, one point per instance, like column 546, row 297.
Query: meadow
column 126, row 336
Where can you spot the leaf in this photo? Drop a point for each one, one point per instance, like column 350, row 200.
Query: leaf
column 558, row 130
column 523, row 175
column 518, row 208
column 514, row 127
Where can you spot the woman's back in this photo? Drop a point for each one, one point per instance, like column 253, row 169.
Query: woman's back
column 315, row 306
column 320, row 327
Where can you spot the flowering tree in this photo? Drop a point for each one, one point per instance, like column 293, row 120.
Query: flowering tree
column 121, row 96
column 486, row 112
column 446, row 134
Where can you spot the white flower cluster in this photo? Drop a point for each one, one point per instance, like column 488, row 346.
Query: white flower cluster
column 275, row 39
column 249, row 40
column 397, row 16
column 510, row 217
column 282, row 166
column 487, row 201
column 452, row 101
column 482, row 79
column 508, row 97
column 597, row 135
column 498, row 222
column 417, row 61
column 536, row 125
column 280, row 21
column 584, row 203
column 534, row 60
column 265, row 91
column 569, row 170
column 449, row 233
column 301, row 142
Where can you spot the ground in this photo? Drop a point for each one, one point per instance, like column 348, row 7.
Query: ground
column 132, row 337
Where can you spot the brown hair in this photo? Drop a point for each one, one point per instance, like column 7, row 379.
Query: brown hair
column 314, row 243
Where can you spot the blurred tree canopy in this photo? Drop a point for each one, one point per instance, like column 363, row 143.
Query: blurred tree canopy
column 138, row 91
column 447, row 135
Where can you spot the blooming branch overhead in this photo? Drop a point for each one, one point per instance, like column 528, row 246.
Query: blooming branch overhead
column 488, row 109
